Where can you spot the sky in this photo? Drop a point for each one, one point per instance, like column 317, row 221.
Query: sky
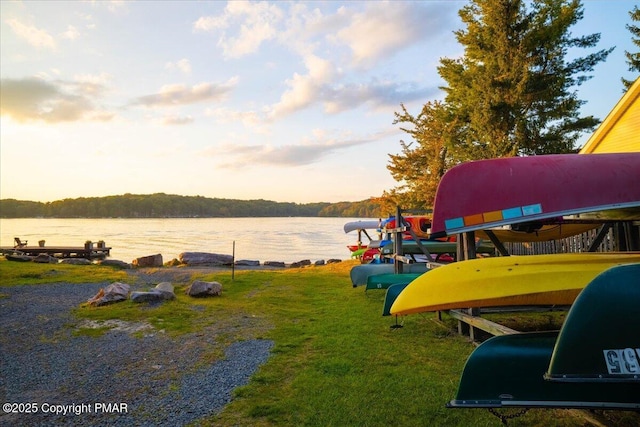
column 284, row 101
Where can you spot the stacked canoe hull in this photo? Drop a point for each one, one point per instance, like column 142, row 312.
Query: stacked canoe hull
column 593, row 362
column 528, row 280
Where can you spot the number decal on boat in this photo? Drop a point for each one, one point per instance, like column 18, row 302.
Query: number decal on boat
column 623, row 361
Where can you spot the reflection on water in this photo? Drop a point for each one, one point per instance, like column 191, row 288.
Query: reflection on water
column 263, row 239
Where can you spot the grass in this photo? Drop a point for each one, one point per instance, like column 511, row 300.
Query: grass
column 335, row 360
column 30, row 273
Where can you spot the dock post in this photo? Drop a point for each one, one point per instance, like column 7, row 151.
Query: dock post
column 233, row 261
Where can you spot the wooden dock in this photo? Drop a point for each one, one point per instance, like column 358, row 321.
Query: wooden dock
column 87, row 251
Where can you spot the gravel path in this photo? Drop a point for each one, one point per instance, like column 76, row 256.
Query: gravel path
column 154, row 380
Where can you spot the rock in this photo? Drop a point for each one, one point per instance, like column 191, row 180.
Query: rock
column 319, row 262
column 115, row 292
column 333, row 261
column 173, row 263
column 115, row 263
column 248, row 262
column 148, row 261
column 300, row 263
column 200, row 288
column 162, row 292
column 166, row 289
column 45, row 259
column 75, row 261
column 18, row 257
column 205, row 258
column 151, row 296
column 274, row 263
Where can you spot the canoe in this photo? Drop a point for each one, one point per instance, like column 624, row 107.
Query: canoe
column 361, row 225
column 602, row 326
column 360, row 250
column 508, row 371
column 542, row 234
column 390, row 297
column 383, row 281
column 411, row 247
column 523, row 280
column 592, row 363
column 495, row 192
column 360, row 273
column 435, row 247
column 420, row 225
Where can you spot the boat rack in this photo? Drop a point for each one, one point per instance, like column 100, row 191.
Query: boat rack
column 398, row 256
column 617, row 235
column 472, row 321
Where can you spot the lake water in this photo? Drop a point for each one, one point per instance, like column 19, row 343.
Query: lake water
column 262, row 239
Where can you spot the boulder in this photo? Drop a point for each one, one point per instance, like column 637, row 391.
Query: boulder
column 166, row 289
column 300, row 263
column 75, row 261
column 45, row 259
column 173, row 263
column 148, row 261
column 115, row 292
column 248, row 262
column 205, row 258
column 200, row 288
column 151, row 296
column 115, row 263
column 18, row 257
column 274, row 263
column 319, row 262
column 162, row 292
column 333, row 261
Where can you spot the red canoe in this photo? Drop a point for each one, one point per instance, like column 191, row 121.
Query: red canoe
column 489, row 193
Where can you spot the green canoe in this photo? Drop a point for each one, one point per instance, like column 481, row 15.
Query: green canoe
column 383, row 281
column 389, row 298
column 360, row 273
column 593, row 362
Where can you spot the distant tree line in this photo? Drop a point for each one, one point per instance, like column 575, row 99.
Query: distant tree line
column 162, row 205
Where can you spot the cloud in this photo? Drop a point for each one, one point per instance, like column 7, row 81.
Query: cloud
column 285, row 155
column 180, row 94
column 305, row 89
column 34, row 36
column 33, row 99
column 117, row 6
column 384, row 28
column 183, row 65
column 253, row 22
column 72, row 33
column 360, row 35
column 322, row 85
column 375, row 93
column 177, row 120
column 249, row 119
column 92, row 84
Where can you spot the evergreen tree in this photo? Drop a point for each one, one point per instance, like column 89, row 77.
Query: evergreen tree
column 513, row 92
column 513, row 86
column 422, row 163
column 633, row 59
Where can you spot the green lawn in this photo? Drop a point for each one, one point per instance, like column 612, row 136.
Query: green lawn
column 335, row 362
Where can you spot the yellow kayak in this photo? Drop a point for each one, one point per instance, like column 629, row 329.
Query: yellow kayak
column 555, row 279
